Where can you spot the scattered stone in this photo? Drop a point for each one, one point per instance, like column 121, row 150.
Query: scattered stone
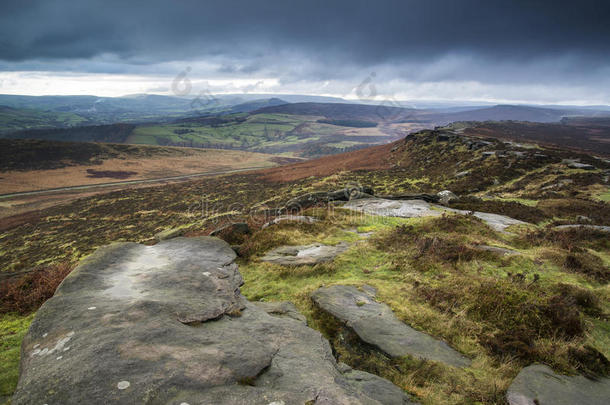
column 445, row 196
column 137, row 347
column 462, row 174
column 233, row 233
column 375, row 324
column 169, row 234
column 291, row 218
column 600, row 228
column 308, row 200
column 304, row 254
column 418, row 208
column 539, row 385
column 582, row 219
column 499, row 250
column 496, row 222
column 393, row 208
column 575, row 164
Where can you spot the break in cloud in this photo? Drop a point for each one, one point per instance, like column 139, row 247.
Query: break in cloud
column 517, row 51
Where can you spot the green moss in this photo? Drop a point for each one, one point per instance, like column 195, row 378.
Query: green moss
column 12, row 330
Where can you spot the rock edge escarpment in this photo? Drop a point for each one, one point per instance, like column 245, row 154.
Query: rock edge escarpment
column 167, row 324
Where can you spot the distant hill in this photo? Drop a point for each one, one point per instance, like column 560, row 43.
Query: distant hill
column 503, row 113
column 339, row 111
column 256, row 104
column 115, row 133
column 15, row 119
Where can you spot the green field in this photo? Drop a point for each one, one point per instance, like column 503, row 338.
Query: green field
column 19, row 119
column 275, row 133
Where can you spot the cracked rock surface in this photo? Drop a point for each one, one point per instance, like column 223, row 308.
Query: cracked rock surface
column 538, row 384
column 420, row 208
column 166, row 324
column 304, row 254
column 376, row 325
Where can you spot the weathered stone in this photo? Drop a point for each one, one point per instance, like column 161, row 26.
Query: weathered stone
column 115, row 332
column 169, row 233
column 309, row 200
column 290, row 218
column 499, row 250
column 375, row 324
column 304, row 254
column 419, row 208
column 282, row 308
column 445, row 196
column 583, row 166
column 393, row 208
column 539, row 385
column 496, row 222
column 600, row 228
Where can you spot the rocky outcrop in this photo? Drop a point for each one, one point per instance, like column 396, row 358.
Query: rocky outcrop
column 392, row 208
column 309, row 200
column 539, row 385
column 166, row 324
column 376, row 325
column 419, row 208
column 445, row 196
column 304, row 254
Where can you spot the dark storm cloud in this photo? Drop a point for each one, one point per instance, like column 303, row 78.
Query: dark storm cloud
column 490, row 50
column 364, row 32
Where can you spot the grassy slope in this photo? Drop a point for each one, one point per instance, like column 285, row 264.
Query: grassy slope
column 259, row 132
column 13, row 119
column 437, row 293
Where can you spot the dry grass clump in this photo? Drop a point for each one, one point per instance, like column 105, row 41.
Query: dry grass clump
column 570, row 208
column 518, row 318
column 27, row 293
column 588, row 264
column 443, row 240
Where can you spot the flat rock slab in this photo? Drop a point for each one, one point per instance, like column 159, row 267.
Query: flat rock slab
column 420, row 208
column 304, row 254
column 600, row 228
column 376, row 325
column 166, row 324
column 539, row 385
column 499, row 250
column 393, row 208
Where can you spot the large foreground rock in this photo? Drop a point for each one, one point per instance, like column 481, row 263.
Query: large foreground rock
column 376, row 325
column 539, row 385
column 420, row 208
column 166, row 324
column 304, row 254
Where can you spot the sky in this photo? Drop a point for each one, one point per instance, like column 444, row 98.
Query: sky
column 538, row 52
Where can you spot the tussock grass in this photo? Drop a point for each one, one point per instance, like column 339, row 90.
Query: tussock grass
column 503, row 312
